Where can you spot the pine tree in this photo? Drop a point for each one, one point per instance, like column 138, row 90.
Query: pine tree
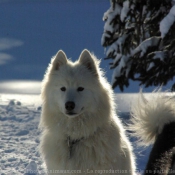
column 139, row 37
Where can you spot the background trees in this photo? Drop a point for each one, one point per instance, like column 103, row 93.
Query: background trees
column 139, row 37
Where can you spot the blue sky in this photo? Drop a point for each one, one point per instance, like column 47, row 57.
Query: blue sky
column 32, row 31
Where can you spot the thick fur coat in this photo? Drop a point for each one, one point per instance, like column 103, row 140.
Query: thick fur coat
column 81, row 132
column 153, row 123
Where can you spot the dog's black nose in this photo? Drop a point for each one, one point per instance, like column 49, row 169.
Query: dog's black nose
column 70, row 105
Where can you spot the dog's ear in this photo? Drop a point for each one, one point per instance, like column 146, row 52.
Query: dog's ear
column 88, row 61
column 59, row 60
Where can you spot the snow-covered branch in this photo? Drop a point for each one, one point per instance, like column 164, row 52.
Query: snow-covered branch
column 139, row 37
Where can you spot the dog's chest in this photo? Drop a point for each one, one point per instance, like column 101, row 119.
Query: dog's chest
column 72, row 144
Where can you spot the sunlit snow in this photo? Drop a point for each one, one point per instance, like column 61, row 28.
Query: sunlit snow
column 20, row 87
column 167, row 22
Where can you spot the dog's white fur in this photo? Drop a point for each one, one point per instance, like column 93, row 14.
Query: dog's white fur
column 149, row 116
column 104, row 147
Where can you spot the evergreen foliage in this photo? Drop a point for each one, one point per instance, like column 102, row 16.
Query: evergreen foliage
column 140, row 39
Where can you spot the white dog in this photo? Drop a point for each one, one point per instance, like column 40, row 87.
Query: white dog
column 81, row 131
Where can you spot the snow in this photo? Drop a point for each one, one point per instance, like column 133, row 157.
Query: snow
column 31, row 169
column 19, row 136
column 167, row 22
column 124, row 10
column 153, row 41
column 117, row 44
column 108, row 17
column 117, row 58
column 151, row 65
column 20, row 86
column 159, row 54
column 122, row 64
column 19, row 133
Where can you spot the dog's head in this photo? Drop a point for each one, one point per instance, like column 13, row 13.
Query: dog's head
column 72, row 88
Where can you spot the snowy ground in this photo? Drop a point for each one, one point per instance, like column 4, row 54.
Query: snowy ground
column 19, row 133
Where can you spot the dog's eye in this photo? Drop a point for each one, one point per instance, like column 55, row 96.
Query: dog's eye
column 63, row 89
column 80, row 89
